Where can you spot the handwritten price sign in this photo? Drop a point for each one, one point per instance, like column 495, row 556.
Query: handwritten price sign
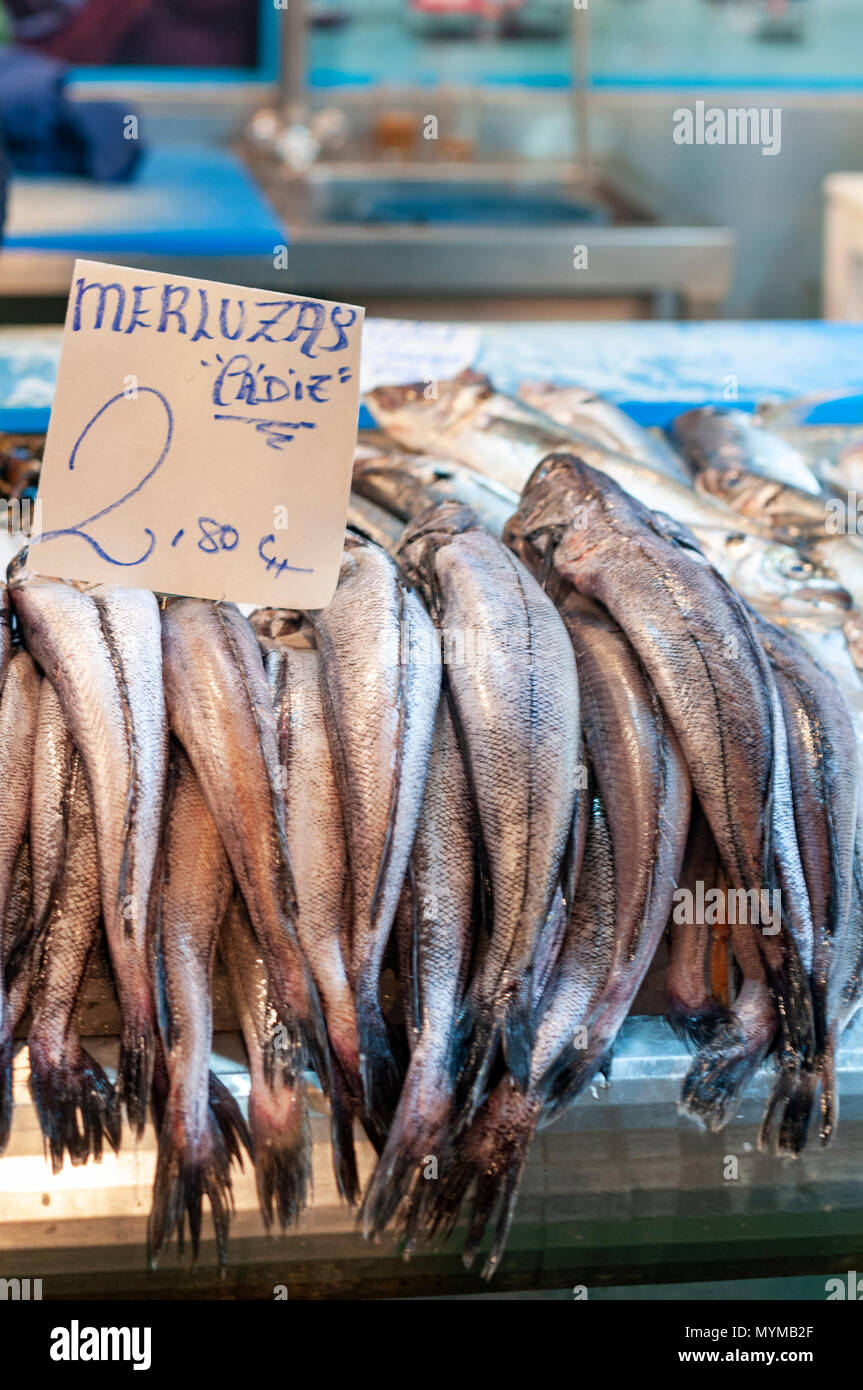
column 201, row 439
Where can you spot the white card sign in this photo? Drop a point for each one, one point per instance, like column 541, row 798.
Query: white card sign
column 201, row 439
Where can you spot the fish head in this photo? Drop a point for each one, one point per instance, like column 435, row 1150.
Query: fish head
column 430, row 406
column 776, row 574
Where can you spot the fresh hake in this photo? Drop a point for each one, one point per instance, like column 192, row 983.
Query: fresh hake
column 221, row 710
column 18, row 707
column 381, row 684
column 514, row 695
column 101, row 649
column 71, row 1093
column 201, row 1129
column 278, row 1115
column 316, row 842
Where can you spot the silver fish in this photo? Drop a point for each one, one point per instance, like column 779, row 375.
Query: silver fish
column 381, row 683
column 443, row 862
column 18, row 706
column 725, row 437
column 487, row 1159
column 824, row 781
column 278, row 1114
column 71, row 1093
column 405, row 484
column 316, row 841
column 101, row 650
column 696, row 641
column 221, row 710
column 504, row 440
column 197, row 1138
column 516, row 706
column 604, row 423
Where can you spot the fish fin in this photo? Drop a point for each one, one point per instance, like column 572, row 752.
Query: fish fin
column 342, row 1108
column 418, row 1133
column 829, row 1101
column 719, row 1073
column 696, row 1025
column 490, row 1160
column 229, row 1118
column 517, row 1031
column 797, row 1094
column 187, row 1170
column 379, row 1073
column 6, row 1050
column 476, row 1049
column 133, row 1086
column 281, row 1145
column 74, row 1101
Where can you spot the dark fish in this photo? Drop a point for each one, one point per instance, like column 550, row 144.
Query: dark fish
column 18, row 706
column 197, row 1138
column 512, row 682
column 278, row 1115
column 381, row 682
column 101, row 650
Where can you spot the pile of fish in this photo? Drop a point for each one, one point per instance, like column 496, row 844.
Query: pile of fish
column 578, row 689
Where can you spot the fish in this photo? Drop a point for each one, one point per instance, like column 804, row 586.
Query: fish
column 773, row 577
column 18, row 708
column 73, row 1097
column 197, row 1140
column 841, row 557
column 101, row 649
column 442, row 876
column 373, row 522
column 696, row 641
column 725, row 437
column 504, row 440
column 727, row 1059
column 486, row 1159
column 380, row 683
column 22, row 948
column 515, row 700
column 602, row 422
column 221, row 710
column 693, row 1011
column 278, row 1113
column 825, row 788
column 791, row 511
column 315, row 834
column 405, row 484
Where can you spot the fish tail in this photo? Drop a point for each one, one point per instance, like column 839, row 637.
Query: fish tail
column 379, row 1073
column 797, row 1114
column 74, row 1101
column 135, row 1067
column 187, row 1170
column 719, row 1074
column 281, row 1146
column 6, row 1050
column 342, row 1109
column 414, row 1152
column 829, row 1101
column 497, row 1157
column 477, row 1036
column 229, row 1119
column 517, row 1031
column 696, row 1025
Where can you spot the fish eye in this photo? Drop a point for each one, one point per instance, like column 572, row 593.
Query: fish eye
column 795, row 567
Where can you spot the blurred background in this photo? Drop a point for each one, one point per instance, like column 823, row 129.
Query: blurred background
column 457, row 159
